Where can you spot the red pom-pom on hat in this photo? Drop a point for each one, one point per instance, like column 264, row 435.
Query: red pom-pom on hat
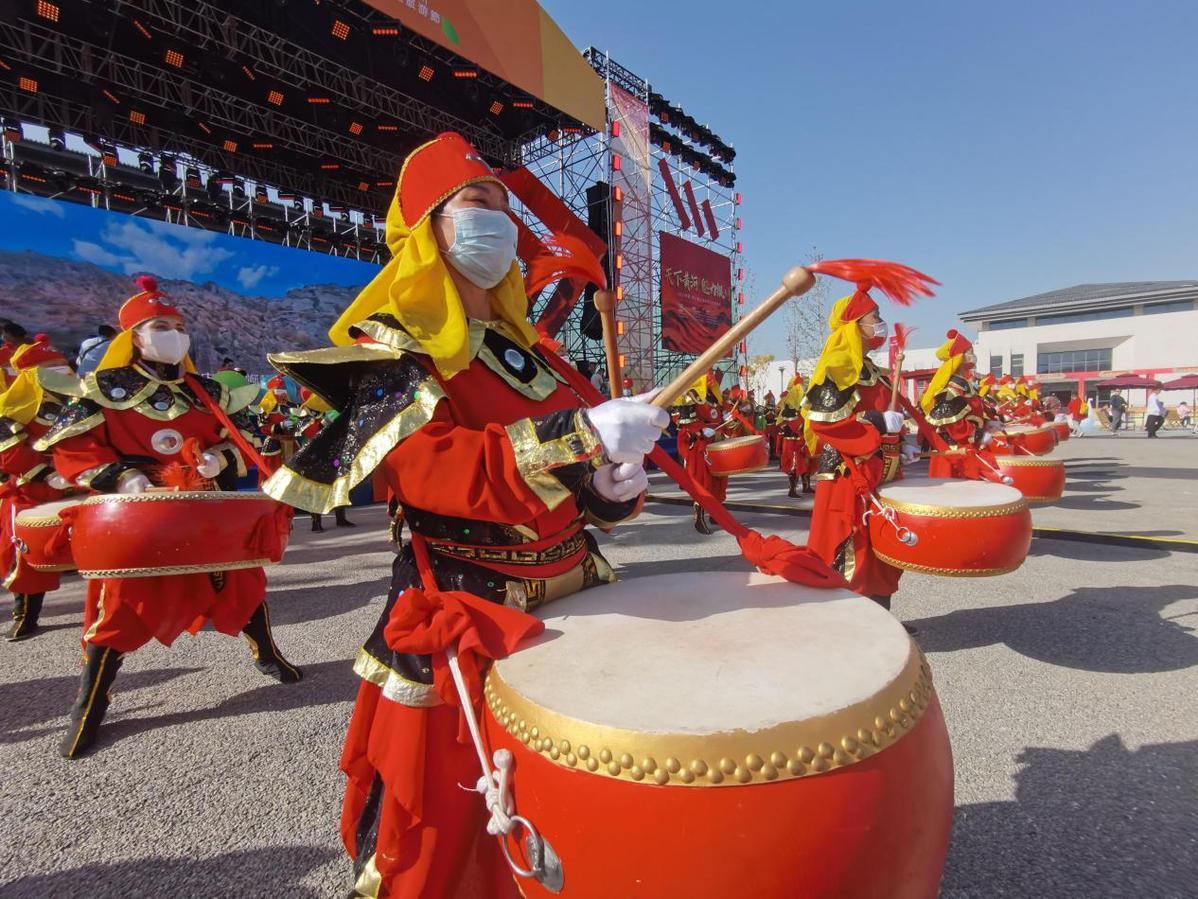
column 40, row 352
column 148, row 283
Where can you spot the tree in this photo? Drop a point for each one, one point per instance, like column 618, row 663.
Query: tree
column 758, row 370
column 807, row 322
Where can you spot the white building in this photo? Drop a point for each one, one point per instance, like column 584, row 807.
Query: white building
column 1090, row 332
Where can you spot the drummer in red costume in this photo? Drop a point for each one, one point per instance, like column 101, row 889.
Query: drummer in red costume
column 133, row 419
column 496, row 467
column 792, row 443
column 951, row 405
column 697, row 417
column 847, row 411
column 27, row 410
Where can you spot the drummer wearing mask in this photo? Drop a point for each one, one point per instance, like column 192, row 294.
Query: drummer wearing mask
column 795, row 459
column 41, row 383
column 443, row 387
column 847, row 413
column 132, row 420
column 697, row 418
column 952, row 405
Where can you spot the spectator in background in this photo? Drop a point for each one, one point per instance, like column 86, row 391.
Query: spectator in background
column 14, row 337
column 226, row 364
column 1156, row 412
column 1118, row 410
column 1183, row 412
column 92, row 350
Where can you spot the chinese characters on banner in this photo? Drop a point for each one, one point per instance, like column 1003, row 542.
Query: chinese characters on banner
column 696, row 295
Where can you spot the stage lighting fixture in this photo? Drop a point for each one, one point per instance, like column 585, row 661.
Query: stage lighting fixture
column 137, row 118
column 260, row 195
column 340, row 30
column 12, row 131
column 465, row 73
column 615, row 129
column 275, row 98
column 319, row 101
column 387, row 128
column 385, row 31
column 496, row 107
column 110, row 96
column 522, row 104
column 29, row 85
column 298, row 204
column 263, row 145
column 203, row 126
column 123, row 197
column 249, row 73
column 426, row 73
column 145, row 162
column 145, row 32
column 173, row 58
column 355, row 128
column 47, row 11
column 192, row 176
column 58, row 139
column 363, row 186
column 230, row 146
column 239, row 190
column 89, row 185
column 108, row 155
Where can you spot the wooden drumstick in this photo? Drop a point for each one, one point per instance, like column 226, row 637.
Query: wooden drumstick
column 605, row 305
column 795, row 282
column 895, row 377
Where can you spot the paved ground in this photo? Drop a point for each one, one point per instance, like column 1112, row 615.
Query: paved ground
column 1068, row 687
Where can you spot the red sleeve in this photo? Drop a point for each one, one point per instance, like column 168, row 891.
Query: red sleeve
column 851, row 437
column 452, row 470
column 960, row 432
column 84, row 452
column 16, row 460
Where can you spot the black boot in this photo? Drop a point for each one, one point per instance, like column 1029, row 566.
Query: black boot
column 342, row 521
column 807, row 488
column 267, row 657
column 100, row 666
column 27, row 608
column 793, row 492
column 701, row 523
column 317, row 523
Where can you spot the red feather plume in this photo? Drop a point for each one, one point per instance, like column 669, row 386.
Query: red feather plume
column 148, row 283
column 565, row 256
column 899, row 282
column 183, row 475
column 901, row 333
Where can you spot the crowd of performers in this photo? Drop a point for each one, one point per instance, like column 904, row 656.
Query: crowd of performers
column 436, row 368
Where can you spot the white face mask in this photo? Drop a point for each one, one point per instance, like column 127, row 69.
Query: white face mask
column 169, row 347
column 484, row 245
column 881, row 331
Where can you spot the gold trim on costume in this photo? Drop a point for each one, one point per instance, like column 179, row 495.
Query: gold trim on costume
column 394, row 685
column 945, row 572
column 941, row 422
column 954, row 511
column 53, row 438
column 511, row 555
column 369, row 882
column 535, row 460
column 291, row 487
column 726, row 759
column 845, row 411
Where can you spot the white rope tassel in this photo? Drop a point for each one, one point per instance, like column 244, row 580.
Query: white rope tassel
column 494, row 785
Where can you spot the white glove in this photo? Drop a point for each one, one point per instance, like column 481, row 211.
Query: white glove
column 894, row 421
column 987, row 438
column 993, row 425
column 57, row 481
column 908, row 454
column 620, row 483
column 707, row 432
column 628, row 427
column 133, row 481
column 209, row 466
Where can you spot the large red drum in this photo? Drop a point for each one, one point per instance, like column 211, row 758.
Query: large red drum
column 725, row 734
column 738, row 455
column 961, row 528
column 162, row 532
column 1037, row 439
column 43, row 537
column 1062, row 430
column 1039, row 480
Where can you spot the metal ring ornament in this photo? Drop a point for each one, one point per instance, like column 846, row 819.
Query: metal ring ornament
column 534, row 836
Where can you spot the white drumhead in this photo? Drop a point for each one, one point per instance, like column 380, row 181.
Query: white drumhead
column 707, row 653
column 47, row 510
column 949, row 492
column 1022, row 429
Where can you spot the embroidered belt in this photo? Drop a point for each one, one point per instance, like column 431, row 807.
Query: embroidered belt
column 566, row 549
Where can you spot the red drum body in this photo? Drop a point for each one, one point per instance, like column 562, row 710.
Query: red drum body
column 681, row 783
column 162, row 532
column 1039, row 480
column 1062, row 430
column 738, row 455
column 962, row 528
column 1038, row 440
column 44, row 538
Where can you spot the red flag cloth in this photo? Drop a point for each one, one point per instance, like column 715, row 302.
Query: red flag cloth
column 772, row 554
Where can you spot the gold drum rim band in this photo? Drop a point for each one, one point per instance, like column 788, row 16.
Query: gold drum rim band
column 168, row 570
column 47, row 521
column 732, row 759
column 172, row 495
column 1035, row 462
column 929, row 511
column 733, row 442
column 916, row 568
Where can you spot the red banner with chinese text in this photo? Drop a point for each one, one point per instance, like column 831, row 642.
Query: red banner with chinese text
column 696, row 295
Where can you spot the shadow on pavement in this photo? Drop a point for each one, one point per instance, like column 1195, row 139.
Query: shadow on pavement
column 1107, row 821
column 30, row 703
column 1113, row 629
column 1090, row 552
column 305, row 604
column 253, row 872
column 323, row 683
column 1092, row 503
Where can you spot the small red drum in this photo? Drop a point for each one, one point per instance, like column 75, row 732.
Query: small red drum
column 43, row 538
column 1062, row 430
column 162, row 532
column 738, row 455
column 1039, row 480
column 961, row 528
column 725, row 734
column 1037, row 439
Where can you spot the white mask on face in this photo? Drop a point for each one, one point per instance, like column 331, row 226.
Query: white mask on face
column 169, row 347
column 484, row 245
column 881, row 331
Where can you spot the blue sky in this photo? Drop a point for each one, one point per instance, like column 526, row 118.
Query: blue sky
column 1004, row 148
column 127, row 245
